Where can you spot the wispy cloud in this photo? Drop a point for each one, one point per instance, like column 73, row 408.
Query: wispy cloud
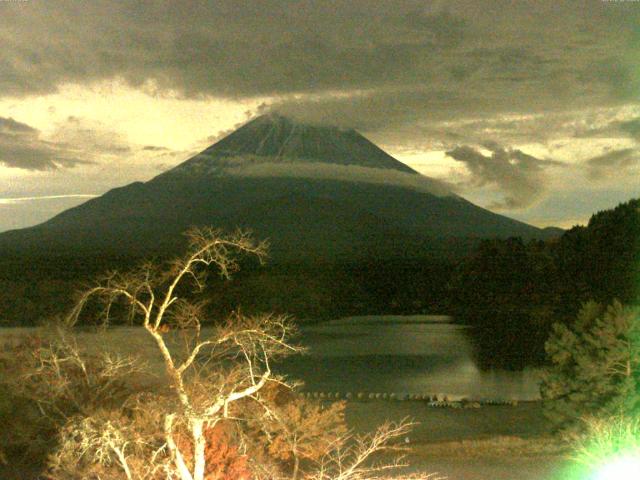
column 602, row 167
column 15, row 200
column 348, row 173
column 519, row 176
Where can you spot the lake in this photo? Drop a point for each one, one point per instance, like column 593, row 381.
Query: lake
column 402, row 355
column 421, row 354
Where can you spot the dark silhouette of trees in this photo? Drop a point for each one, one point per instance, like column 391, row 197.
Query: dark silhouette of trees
column 512, row 292
column 505, row 292
column 600, row 261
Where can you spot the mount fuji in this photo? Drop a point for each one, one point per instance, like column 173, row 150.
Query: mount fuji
column 316, row 192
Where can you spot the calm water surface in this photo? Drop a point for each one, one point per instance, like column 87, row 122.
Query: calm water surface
column 418, row 354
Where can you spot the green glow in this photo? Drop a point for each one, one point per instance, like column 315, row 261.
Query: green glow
column 622, row 468
column 609, row 450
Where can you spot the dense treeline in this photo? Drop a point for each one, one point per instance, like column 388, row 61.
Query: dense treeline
column 505, row 290
column 513, row 292
column 44, row 287
column 33, row 290
column 399, row 286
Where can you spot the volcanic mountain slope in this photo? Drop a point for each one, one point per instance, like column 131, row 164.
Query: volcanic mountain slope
column 314, row 192
column 276, row 139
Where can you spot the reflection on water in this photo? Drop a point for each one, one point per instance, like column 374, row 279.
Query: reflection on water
column 391, row 354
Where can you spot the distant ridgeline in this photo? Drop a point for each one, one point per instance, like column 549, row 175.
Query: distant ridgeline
column 44, row 288
column 514, row 291
column 351, row 229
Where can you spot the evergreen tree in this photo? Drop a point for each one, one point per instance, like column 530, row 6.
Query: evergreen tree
column 595, row 365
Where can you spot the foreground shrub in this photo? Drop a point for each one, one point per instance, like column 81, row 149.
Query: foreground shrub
column 223, row 459
column 606, row 449
column 606, row 439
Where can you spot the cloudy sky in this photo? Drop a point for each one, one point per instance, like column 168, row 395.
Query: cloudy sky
column 529, row 108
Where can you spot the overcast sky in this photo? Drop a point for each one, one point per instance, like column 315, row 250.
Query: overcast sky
column 530, row 108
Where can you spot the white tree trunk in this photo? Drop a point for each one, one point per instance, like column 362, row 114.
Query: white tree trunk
column 199, row 443
column 178, row 460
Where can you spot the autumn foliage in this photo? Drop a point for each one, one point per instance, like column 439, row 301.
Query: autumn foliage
column 223, row 458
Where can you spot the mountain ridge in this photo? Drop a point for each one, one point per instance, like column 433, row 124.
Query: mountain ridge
column 373, row 206
column 281, row 140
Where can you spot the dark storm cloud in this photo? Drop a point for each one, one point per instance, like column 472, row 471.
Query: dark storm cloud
column 75, row 141
column 413, row 59
column 363, row 109
column 22, row 147
column 34, row 157
column 631, row 127
column 616, row 74
column 442, row 27
column 612, row 163
column 519, row 176
column 220, row 48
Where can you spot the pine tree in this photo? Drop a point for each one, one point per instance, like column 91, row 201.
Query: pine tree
column 595, row 365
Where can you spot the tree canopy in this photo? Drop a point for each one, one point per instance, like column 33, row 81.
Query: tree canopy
column 595, row 365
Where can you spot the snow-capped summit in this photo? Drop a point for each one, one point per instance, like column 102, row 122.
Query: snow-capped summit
column 273, row 138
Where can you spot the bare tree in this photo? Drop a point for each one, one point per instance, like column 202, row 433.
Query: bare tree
column 152, row 296
column 214, row 376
